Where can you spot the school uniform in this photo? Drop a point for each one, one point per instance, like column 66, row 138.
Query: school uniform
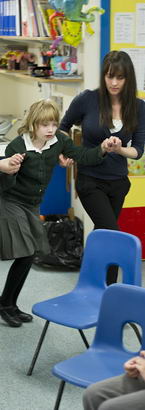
column 22, row 231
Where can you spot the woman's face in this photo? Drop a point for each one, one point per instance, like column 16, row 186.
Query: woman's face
column 114, row 84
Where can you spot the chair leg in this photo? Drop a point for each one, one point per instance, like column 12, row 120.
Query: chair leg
column 135, row 328
column 84, row 338
column 38, row 349
column 59, row 395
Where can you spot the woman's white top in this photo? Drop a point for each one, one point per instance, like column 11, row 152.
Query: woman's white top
column 118, row 124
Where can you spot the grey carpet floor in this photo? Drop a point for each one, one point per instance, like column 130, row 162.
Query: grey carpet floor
column 38, row 392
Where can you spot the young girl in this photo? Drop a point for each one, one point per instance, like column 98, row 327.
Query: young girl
column 40, row 144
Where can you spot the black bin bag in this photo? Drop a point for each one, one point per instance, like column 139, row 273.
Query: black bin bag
column 65, row 242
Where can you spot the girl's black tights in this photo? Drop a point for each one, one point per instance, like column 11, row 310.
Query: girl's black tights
column 15, row 280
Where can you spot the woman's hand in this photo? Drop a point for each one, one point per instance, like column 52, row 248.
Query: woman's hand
column 16, row 159
column 12, row 164
column 65, row 162
column 114, row 144
column 111, row 144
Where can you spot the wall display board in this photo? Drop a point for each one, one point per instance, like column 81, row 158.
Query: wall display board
column 127, row 33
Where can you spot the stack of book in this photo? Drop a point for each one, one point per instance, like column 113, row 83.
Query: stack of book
column 28, row 18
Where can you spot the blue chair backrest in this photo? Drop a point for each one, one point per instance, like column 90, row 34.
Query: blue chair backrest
column 106, row 247
column 121, row 304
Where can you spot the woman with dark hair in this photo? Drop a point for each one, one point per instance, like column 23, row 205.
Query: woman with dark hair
column 112, row 111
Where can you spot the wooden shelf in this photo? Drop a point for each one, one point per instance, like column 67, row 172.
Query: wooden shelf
column 25, row 39
column 25, row 76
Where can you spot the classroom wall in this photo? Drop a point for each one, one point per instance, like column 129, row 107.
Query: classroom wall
column 17, row 95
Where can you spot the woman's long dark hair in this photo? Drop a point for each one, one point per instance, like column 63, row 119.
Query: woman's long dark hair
column 119, row 63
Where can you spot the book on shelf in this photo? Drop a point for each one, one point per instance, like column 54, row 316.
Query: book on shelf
column 7, row 24
column 10, row 17
column 18, row 18
column 4, row 18
column 44, row 18
column 25, row 19
column 1, row 18
column 28, row 18
column 38, row 17
column 32, row 19
column 29, row 21
column 38, row 22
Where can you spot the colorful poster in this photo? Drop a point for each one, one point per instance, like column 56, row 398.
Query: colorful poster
column 129, row 15
column 128, row 34
column 136, row 168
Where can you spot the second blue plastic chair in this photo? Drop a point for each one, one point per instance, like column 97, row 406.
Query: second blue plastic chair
column 105, row 358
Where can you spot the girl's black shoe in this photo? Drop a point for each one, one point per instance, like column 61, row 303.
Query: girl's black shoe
column 8, row 315
column 24, row 317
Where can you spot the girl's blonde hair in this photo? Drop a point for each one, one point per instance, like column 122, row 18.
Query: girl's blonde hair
column 40, row 112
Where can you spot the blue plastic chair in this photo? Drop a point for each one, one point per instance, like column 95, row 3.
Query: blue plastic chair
column 79, row 308
column 121, row 304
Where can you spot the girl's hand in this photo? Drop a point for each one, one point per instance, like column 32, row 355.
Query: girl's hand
column 65, row 162
column 104, row 146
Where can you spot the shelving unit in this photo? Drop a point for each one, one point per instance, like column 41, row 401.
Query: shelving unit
column 37, row 43
column 27, row 88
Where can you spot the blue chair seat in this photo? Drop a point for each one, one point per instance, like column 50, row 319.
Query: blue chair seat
column 91, row 366
column 65, row 307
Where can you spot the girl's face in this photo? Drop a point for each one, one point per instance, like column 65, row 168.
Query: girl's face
column 45, row 132
column 114, row 84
